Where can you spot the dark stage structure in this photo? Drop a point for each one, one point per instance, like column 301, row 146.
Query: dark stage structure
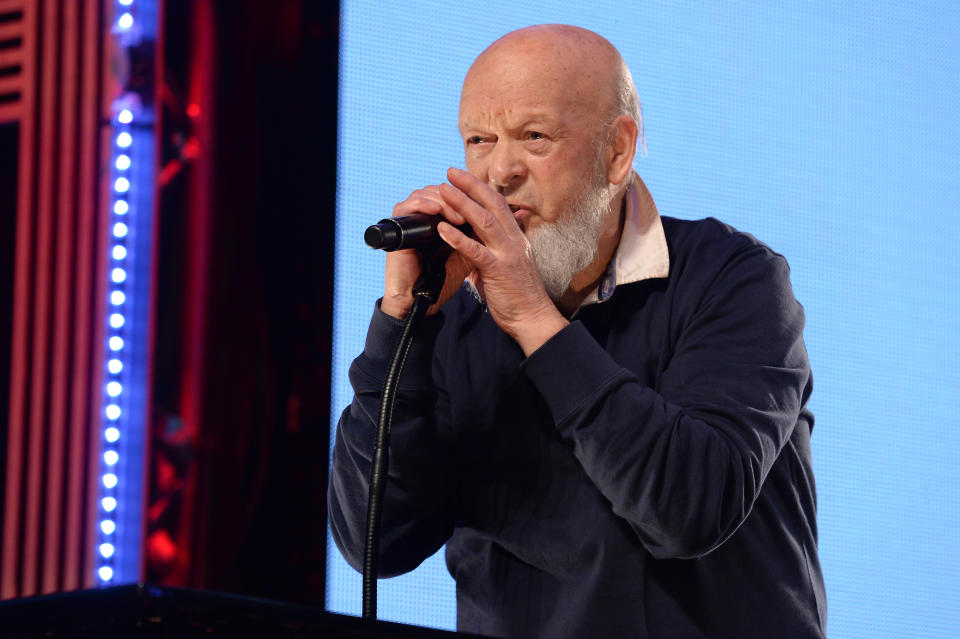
column 155, row 611
column 229, row 317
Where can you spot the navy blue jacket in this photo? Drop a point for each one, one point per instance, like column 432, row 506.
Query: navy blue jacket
column 645, row 473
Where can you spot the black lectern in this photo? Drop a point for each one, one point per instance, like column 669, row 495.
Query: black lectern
column 153, row 612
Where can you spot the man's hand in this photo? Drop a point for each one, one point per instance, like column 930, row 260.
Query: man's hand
column 403, row 267
column 504, row 270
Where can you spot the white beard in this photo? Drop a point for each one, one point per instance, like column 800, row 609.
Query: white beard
column 562, row 249
column 566, row 247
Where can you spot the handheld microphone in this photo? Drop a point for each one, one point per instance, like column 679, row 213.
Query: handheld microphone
column 417, row 231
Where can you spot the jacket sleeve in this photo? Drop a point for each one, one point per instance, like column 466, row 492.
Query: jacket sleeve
column 415, row 521
column 684, row 462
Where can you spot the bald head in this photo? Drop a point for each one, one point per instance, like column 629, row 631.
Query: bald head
column 581, row 65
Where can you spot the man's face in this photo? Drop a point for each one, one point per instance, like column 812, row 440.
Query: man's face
column 530, row 132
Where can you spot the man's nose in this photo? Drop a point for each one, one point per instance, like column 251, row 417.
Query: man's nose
column 506, row 166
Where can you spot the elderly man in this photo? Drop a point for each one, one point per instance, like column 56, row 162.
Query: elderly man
column 609, row 431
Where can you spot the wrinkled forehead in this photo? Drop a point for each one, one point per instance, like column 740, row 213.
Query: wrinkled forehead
column 543, row 77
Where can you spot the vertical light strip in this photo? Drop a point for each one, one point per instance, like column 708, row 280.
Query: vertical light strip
column 124, row 416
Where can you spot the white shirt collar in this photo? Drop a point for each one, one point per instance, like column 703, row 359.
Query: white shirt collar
column 642, row 252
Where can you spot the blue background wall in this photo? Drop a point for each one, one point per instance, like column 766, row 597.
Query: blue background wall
column 829, row 130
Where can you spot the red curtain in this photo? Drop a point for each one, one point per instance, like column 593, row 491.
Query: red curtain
column 56, row 346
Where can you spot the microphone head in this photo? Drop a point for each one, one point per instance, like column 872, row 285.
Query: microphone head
column 384, row 236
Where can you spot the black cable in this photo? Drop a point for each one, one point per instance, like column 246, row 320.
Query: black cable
column 425, row 293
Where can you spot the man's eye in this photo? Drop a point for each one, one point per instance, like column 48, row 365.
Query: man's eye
column 536, row 135
column 474, row 139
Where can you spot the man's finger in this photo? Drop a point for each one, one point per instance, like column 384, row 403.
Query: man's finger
column 485, row 224
column 474, row 252
column 417, row 204
column 427, row 200
column 481, row 193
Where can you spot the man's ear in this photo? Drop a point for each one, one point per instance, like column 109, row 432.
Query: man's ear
column 623, row 145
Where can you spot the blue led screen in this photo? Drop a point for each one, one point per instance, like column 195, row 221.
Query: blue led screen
column 831, row 131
